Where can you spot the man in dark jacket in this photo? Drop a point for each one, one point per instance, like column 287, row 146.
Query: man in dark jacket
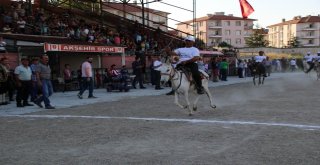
column 137, row 71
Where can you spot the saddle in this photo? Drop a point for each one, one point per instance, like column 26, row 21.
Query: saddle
column 188, row 73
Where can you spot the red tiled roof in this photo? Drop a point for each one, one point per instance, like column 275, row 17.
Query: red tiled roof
column 308, row 19
column 216, row 17
column 128, row 7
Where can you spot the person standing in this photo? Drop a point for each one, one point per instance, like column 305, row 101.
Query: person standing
column 23, row 81
column 35, row 88
column 268, row 66
column 4, row 99
column 137, row 67
column 240, row 68
column 189, row 55
column 214, row 69
column 224, row 65
column 87, row 78
column 44, row 82
column 156, row 66
column 66, row 76
column 293, row 64
column 201, row 64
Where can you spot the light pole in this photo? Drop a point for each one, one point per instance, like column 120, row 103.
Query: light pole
column 194, row 18
column 142, row 6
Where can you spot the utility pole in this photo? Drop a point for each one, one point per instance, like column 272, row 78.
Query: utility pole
column 194, row 18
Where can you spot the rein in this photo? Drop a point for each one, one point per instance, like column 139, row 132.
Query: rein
column 171, row 75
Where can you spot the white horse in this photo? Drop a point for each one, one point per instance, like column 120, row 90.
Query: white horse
column 182, row 86
column 305, row 65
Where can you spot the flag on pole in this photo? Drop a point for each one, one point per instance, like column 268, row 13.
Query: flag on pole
column 246, row 8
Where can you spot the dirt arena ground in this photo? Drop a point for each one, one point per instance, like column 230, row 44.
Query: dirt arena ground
column 277, row 123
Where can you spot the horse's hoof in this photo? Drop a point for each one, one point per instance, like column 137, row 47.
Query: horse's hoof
column 214, row 107
column 194, row 108
column 185, row 107
column 190, row 114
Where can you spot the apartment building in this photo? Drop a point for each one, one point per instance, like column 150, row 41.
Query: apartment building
column 306, row 29
column 218, row 27
column 132, row 11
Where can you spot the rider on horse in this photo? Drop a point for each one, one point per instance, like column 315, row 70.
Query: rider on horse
column 189, row 55
column 259, row 60
column 309, row 59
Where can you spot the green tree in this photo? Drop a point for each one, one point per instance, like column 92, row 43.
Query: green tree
column 257, row 39
column 200, row 43
column 294, row 42
column 224, row 44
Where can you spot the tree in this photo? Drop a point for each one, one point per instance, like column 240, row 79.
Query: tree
column 257, row 39
column 293, row 42
column 224, row 44
column 200, row 43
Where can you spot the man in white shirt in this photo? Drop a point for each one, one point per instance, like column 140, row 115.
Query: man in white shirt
column 188, row 56
column 2, row 45
column 87, row 78
column 24, row 84
column 156, row 65
column 293, row 65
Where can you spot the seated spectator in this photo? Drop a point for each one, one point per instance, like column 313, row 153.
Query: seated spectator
column 114, row 71
column 21, row 23
column 7, row 29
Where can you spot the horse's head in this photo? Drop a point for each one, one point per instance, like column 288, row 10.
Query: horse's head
column 165, row 70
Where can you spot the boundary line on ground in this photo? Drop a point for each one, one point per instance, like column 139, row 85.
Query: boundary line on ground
column 302, row 126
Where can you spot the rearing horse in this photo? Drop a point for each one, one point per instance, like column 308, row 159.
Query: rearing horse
column 182, row 86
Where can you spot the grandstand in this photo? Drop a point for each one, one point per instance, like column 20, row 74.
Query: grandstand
column 26, row 26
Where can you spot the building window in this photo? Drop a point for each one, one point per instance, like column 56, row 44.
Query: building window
column 227, row 32
column 310, row 42
column 228, row 41
column 238, row 32
column 311, row 26
column 227, row 23
column 201, row 23
column 238, row 23
column 238, row 41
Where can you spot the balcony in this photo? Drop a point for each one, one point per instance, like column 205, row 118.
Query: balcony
column 309, row 28
column 247, row 27
column 308, row 37
column 215, row 36
column 312, row 44
column 215, row 27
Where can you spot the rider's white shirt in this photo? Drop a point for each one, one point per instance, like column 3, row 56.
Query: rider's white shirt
column 308, row 58
column 187, row 53
column 317, row 58
column 259, row 58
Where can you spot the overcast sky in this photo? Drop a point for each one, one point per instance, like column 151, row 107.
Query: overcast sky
column 267, row 12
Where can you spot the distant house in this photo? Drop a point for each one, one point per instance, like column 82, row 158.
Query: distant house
column 218, row 27
column 305, row 29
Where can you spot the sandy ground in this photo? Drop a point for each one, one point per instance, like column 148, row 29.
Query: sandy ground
column 277, row 123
